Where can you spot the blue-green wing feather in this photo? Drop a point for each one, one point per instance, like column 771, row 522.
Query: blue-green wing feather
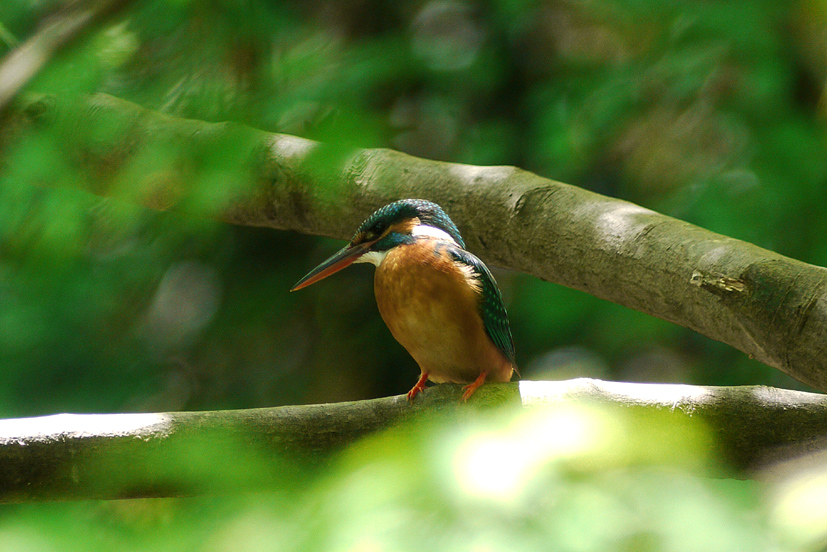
column 492, row 309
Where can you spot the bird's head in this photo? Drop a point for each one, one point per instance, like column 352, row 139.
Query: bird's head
column 394, row 224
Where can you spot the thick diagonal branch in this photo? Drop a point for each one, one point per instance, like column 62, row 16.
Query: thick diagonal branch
column 771, row 307
column 176, row 453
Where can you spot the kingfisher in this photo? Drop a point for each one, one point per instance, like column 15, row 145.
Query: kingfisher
column 438, row 300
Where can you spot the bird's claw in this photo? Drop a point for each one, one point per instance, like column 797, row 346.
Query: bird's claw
column 418, row 388
column 469, row 389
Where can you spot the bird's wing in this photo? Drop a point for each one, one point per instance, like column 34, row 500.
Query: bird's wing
column 491, row 306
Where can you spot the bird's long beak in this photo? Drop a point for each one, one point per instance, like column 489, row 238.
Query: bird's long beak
column 343, row 258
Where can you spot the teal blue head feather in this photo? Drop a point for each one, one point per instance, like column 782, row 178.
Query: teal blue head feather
column 428, row 213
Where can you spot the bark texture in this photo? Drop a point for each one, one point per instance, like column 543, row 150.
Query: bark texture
column 769, row 306
column 82, row 456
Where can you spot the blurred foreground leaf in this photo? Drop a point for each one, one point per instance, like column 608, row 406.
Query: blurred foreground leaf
column 568, row 477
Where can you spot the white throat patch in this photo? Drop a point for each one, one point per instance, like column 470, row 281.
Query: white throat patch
column 375, row 257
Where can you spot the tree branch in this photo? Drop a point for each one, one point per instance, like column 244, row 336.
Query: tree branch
column 771, row 307
column 85, row 456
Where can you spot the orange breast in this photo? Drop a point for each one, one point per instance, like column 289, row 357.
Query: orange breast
column 430, row 308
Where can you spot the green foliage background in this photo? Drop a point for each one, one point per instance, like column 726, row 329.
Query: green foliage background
column 711, row 112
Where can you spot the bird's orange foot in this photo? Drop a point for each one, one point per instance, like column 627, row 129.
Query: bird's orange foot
column 419, row 387
column 469, row 389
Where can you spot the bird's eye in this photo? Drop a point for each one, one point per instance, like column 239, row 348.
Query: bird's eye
column 379, row 227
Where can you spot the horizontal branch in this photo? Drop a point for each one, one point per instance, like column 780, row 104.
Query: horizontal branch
column 79, row 456
column 771, row 307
